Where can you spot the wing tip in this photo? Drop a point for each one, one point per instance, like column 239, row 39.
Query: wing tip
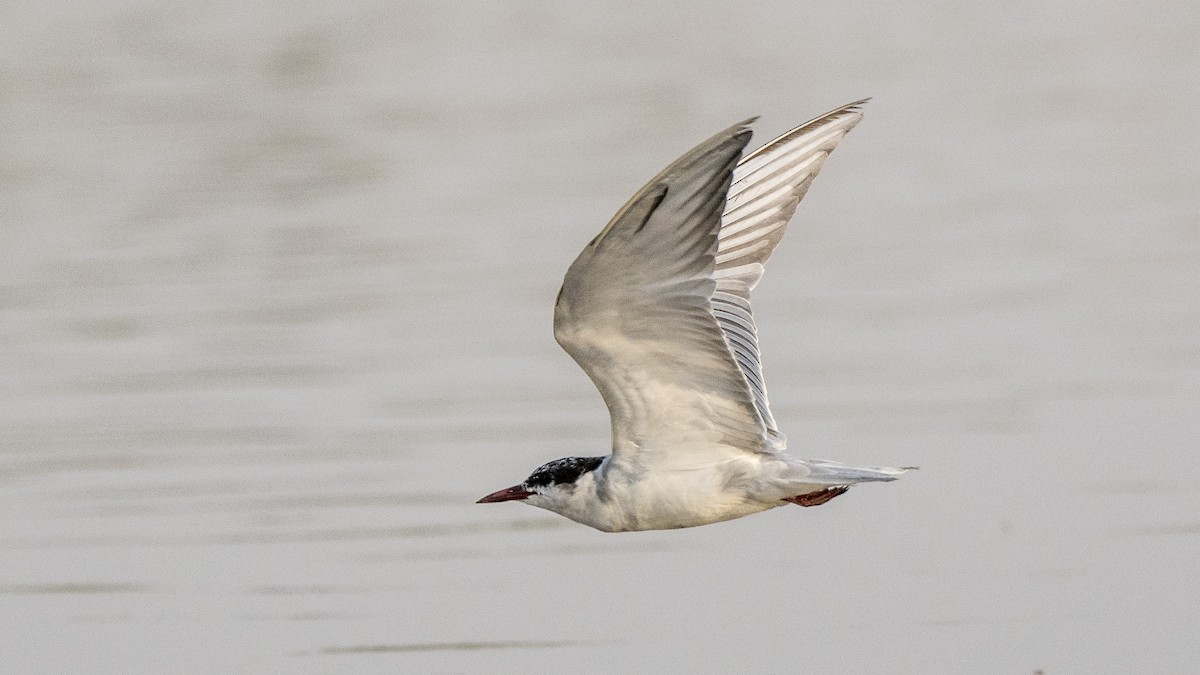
column 855, row 105
column 742, row 130
column 850, row 112
column 852, row 108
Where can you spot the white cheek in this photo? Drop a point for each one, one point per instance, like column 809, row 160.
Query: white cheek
column 547, row 499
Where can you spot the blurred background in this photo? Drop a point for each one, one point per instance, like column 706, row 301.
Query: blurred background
column 276, row 285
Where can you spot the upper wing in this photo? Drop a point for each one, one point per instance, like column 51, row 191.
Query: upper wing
column 767, row 186
column 635, row 313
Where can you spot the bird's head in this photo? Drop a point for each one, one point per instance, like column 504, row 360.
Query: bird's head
column 550, row 484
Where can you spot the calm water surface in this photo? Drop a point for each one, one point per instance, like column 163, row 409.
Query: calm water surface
column 275, row 300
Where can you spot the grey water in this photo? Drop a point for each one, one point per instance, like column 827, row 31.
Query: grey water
column 276, row 284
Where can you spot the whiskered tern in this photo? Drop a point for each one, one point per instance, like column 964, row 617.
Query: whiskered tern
column 656, row 310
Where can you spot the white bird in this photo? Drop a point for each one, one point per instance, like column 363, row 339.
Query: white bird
column 656, row 310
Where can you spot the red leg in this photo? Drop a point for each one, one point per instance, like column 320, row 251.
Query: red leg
column 819, row 497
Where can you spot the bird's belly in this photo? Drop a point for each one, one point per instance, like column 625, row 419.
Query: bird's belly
column 673, row 502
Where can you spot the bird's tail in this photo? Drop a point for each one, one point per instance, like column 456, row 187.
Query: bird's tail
column 826, row 472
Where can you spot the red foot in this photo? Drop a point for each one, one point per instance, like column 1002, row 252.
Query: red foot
column 819, row 497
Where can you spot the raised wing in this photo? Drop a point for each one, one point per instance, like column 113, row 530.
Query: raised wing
column 767, row 186
column 635, row 313
column 656, row 309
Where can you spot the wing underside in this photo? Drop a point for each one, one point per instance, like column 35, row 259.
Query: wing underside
column 767, row 186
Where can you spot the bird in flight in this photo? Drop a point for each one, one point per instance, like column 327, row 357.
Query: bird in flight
column 656, row 310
